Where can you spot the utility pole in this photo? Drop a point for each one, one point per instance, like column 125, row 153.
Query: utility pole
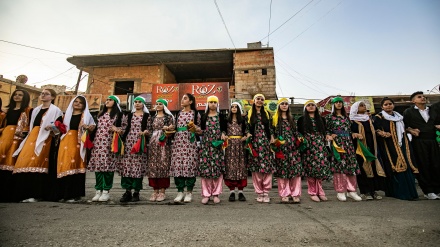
column 77, row 82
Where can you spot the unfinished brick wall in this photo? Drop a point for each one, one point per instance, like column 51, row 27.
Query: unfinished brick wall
column 254, row 73
column 102, row 80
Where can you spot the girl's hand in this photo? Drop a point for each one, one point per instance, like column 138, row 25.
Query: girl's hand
column 329, row 138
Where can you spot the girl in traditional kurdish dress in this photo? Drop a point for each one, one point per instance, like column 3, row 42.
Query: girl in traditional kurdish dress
column 396, row 153
column 133, row 166
column 346, row 167
column 212, row 163
column 159, row 150
column 315, row 158
column 71, row 165
column 185, row 155
column 236, row 173
column 103, row 161
column 16, row 123
column 33, row 166
column 261, row 160
column 288, row 158
column 371, row 178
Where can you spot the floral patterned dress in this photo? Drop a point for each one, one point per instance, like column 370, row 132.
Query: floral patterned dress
column 315, row 157
column 212, row 159
column 185, row 155
column 235, row 154
column 341, row 126
column 264, row 162
column 159, row 157
column 133, row 165
column 102, row 159
column 290, row 166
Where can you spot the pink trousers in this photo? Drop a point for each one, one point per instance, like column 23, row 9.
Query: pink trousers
column 289, row 187
column 262, row 182
column 212, row 186
column 315, row 187
column 344, row 183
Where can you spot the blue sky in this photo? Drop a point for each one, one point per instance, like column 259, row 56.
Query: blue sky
column 358, row 47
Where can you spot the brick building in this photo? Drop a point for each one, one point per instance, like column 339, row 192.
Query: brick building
column 248, row 70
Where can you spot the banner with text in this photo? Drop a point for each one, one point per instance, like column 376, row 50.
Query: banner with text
column 202, row 91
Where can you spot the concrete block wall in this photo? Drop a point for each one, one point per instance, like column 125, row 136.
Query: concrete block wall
column 249, row 77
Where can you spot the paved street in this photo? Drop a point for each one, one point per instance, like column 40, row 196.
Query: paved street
column 389, row 222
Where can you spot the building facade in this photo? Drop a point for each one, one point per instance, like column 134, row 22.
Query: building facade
column 248, row 70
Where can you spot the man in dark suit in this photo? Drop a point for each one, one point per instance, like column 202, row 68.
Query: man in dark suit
column 426, row 150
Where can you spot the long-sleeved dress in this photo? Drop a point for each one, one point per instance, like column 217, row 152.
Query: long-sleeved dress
column 291, row 165
column 341, row 126
column 159, row 157
column 102, row 159
column 234, row 153
column 372, row 174
column 264, row 162
column 16, row 120
column 398, row 161
column 185, row 154
column 315, row 157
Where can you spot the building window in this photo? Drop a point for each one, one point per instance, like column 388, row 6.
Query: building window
column 123, row 87
column 264, row 71
column 246, row 71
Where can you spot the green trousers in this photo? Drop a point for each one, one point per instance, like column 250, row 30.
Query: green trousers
column 104, row 180
column 182, row 182
column 131, row 183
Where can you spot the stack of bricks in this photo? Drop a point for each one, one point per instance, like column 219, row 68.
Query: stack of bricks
column 254, row 73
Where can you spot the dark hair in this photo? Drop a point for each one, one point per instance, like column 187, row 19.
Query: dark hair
column 238, row 115
column 193, row 99
column 1, row 104
column 414, row 95
column 289, row 117
column 83, row 101
column 343, row 111
column 115, row 110
column 307, row 124
column 264, row 118
column 385, row 99
column 24, row 103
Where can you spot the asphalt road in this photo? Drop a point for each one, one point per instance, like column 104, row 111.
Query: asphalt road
column 388, row 222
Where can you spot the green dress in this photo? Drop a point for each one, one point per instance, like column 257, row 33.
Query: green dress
column 291, row 165
column 212, row 159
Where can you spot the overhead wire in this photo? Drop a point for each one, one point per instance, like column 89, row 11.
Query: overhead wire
column 33, row 47
column 224, row 23
column 53, row 77
column 328, row 12
column 287, row 20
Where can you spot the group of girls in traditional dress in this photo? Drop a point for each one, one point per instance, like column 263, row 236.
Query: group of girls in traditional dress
column 43, row 154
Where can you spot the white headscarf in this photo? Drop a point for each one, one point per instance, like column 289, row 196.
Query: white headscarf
column 239, row 106
column 145, row 109
column 49, row 118
column 354, row 116
column 86, row 119
column 400, row 126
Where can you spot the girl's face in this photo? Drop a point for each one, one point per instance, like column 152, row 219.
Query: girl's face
column 18, row 96
column 388, row 106
column 259, row 101
column 109, row 103
column 138, row 105
column 234, row 109
column 212, row 105
column 185, row 101
column 78, row 105
column 362, row 109
column 310, row 107
column 284, row 106
column 46, row 96
column 339, row 105
column 159, row 106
